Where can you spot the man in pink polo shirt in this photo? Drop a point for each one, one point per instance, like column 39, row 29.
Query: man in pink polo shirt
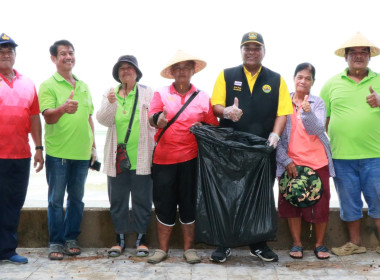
column 19, row 116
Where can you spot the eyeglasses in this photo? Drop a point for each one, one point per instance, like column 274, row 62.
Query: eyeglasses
column 9, row 53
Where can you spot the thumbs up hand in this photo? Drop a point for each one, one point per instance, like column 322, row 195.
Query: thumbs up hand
column 373, row 99
column 306, row 105
column 162, row 120
column 233, row 112
column 70, row 106
column 111, row 96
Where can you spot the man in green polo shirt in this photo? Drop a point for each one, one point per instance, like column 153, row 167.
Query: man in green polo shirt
column 353, row 123
column 66, row 104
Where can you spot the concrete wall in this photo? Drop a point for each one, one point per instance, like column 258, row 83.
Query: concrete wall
column 97, row 231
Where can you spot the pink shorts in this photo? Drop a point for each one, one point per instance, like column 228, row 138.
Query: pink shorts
column 319, row 212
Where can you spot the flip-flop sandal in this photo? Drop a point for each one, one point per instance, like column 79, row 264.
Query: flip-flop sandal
column 142, row 251
column 321, row 249
column 115, row 251
column 70, row 245
column 55, row 249
column 296, row 249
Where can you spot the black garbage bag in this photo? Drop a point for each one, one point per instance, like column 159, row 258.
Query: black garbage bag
column 234, row 197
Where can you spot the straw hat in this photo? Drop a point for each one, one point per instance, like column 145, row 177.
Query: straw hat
column 181, row 56
column 358, row 40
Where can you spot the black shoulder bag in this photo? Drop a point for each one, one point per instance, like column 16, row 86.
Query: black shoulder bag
column 122, row 160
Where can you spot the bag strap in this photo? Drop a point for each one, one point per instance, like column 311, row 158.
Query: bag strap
column 177, row 115
column 132, row 116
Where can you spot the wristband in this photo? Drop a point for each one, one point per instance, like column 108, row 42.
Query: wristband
column 155, row 117
column 40, row 148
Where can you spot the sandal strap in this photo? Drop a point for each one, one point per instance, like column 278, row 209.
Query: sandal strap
column 56, row 248
column 296, row 249
column 321, row 249
column 71, row 244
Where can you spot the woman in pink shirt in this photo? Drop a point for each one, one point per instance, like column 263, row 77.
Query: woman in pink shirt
column 175, row 155
column 304, row 142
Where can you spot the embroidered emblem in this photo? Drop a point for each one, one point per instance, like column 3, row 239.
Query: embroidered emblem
column 238, row 83
column 252, row 35
column 267, row 88
column 5, row 37
column 236, row 88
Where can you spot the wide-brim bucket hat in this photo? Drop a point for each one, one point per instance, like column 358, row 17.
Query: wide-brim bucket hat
column 358, row 40
column 181, row 56
column 129, row 59
column 303, row 191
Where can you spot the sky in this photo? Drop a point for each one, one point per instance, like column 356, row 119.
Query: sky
column 294, row 32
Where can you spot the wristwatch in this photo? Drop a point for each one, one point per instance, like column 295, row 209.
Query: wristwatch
column 40, row 148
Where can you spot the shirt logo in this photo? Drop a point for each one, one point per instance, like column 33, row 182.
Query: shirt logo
column 267, row 88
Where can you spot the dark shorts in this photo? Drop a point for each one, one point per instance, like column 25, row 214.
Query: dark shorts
column 319, row 212
column 174, row 185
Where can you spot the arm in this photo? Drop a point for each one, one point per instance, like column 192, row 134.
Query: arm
column 36, row 133
column 210, row 117
column 94, row 155
column 157, row 111
column 52, row 116
column 218, row 110
column 278, row 127
column 282, row 157
column 314, row 120
column 108, row 108
column 327, row 124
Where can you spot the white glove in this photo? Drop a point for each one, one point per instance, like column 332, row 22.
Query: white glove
column 273, row 139
column 94, row 155
column 233, row 112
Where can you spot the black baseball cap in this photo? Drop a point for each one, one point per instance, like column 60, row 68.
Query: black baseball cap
column 5, row 39
column 252, row 37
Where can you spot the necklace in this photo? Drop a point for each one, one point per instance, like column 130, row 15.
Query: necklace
column 124, row 101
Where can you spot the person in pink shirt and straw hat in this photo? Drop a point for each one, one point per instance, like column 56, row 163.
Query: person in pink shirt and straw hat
column 175, row 155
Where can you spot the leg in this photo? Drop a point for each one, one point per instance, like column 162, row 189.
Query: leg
column 141, row 190
column 320, row 230
column 349, row 188
column 165, row 203
column 295, row 231
column 77, row 175
column 142, row 196
column 119, row 188
column 188, row 231
column 164, row 233
column 354, row 231
column 186, row 205
column 14, row 178
column 370, row 180
column 56, row 176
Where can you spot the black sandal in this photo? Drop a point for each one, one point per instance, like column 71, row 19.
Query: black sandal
column 321, row 249
column 296, row 249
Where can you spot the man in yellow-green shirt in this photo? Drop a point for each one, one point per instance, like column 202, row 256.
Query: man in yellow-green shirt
column 252, row 98
column 66, row 104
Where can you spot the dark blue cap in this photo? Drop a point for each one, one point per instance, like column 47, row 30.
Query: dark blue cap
column 5, row 39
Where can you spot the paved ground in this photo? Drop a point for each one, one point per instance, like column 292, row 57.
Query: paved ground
column 94, row 264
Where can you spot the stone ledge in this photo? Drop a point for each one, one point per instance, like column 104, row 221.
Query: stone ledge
column 97, row 231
